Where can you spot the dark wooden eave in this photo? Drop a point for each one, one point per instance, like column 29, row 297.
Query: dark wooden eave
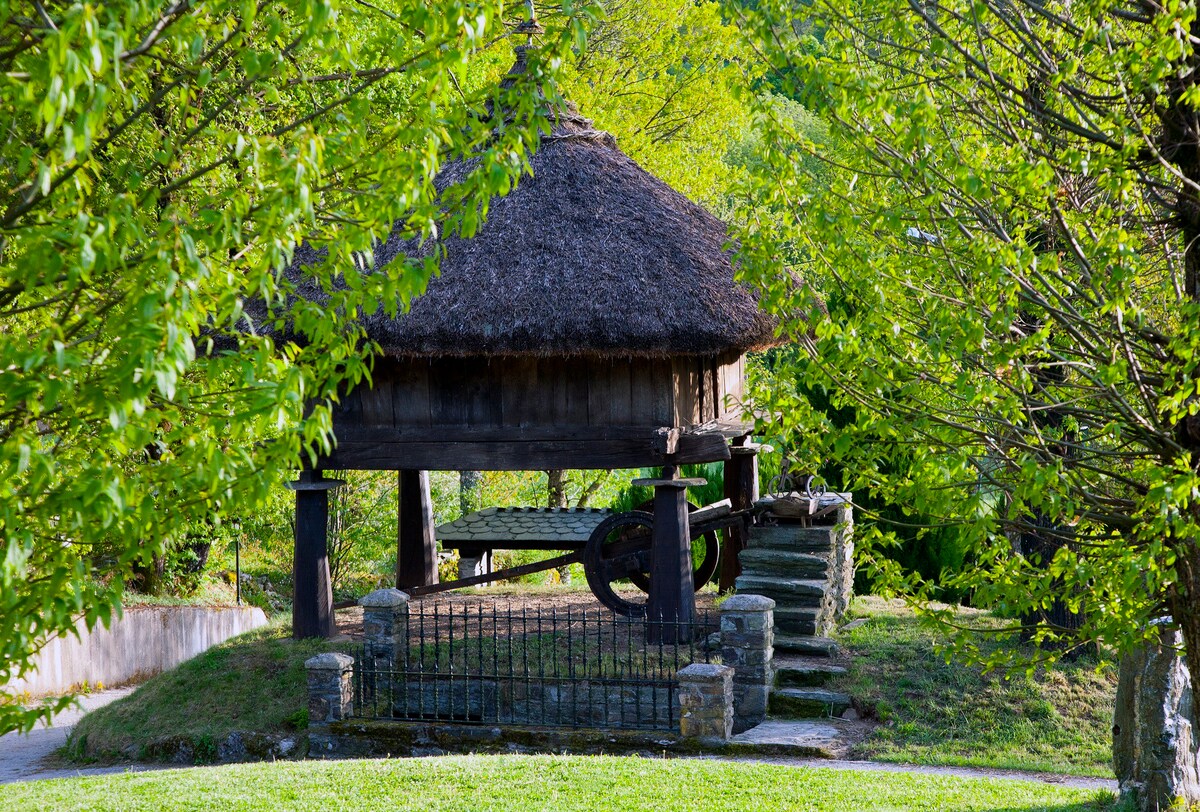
column 459, row 448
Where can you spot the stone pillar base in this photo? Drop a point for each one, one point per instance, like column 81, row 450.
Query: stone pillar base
column 706, row 701
column 747, row 646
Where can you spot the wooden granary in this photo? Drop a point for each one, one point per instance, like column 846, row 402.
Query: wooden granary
column 592, row 322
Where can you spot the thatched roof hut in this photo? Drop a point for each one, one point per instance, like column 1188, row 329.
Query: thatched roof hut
column 595, row 303
column 593, row 321
column 590, row 256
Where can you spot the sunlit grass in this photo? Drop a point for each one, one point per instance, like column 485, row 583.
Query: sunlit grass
column 535, row 783
column 935, row 712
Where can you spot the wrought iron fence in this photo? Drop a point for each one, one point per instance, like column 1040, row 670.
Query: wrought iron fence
column 498, row 664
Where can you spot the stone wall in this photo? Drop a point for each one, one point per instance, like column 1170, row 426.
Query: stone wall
column 142, row 643
column 590, row 703
column 842, row 575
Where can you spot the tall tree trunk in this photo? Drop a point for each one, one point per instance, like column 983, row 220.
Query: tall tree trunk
column 469, row 496
column 556, row 497
column 556, row 489
column 1180, row 146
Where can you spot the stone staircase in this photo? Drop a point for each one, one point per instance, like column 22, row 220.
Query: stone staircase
column 806, row 567
column 806, row 718
column 799, row 691
column 809, row 574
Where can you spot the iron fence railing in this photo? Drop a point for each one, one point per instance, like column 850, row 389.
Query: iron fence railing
column 500, row 664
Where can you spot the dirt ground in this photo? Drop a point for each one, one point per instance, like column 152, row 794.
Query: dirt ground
column 510, row 598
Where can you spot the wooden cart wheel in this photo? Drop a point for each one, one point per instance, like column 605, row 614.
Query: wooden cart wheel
column 618, row 548
column 705, row 562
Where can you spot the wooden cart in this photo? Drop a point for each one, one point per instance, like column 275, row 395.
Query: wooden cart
column 613, row 547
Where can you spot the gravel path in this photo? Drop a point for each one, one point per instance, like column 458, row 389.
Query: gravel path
column 30, row 756
column 925, row 769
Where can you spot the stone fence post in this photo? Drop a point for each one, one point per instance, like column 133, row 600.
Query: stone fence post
column 385, row 643
column 706, row 701
column 385, row 628
column 330, row 693
column 747, row 646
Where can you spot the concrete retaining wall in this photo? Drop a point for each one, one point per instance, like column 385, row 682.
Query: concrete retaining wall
column 145, row 642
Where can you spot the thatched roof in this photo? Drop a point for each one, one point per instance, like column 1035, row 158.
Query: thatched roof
column 591, row 255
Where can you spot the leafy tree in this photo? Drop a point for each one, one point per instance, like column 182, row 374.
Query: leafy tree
column 1008, row 243
column 664, row 78
column 161, row 162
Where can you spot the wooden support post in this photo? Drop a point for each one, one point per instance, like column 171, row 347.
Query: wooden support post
column 741, row 489
column 312, row 591
column 672, row 598
column 416, row 545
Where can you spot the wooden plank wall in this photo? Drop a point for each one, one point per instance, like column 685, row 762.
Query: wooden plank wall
column 527, row 393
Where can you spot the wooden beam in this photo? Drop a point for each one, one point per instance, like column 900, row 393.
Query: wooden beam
column 312, row 591
column 465, row 432
column 451, row 454
column 416, row 546
column 741, row 489
column 672, row 598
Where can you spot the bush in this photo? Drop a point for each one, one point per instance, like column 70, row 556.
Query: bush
column 637, row 497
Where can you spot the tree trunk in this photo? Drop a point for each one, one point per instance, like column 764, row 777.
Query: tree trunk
column 1044, row 544
column 469, row 496
column 151, row 577
column 556, row 490
column 1185, row 605
column 556, row 497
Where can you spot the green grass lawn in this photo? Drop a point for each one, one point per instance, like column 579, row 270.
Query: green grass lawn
column 531, row 783
column 1059, row 720
column 932, row 712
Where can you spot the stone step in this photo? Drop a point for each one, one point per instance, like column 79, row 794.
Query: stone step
column 804, row 627
column 783, row 563
column 789, row 612
column 788, row 591
column 807, row 645
column 792, row 538
column 801, row 619
column 830, row 738
column 807, row 703
column 805, row 676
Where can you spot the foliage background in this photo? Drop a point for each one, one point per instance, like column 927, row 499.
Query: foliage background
column 162, row 163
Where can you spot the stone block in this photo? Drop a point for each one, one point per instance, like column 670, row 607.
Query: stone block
column 470, row 566
column 330, row 692
column 706, row 701
column 747, row 603
column 1155, row 746
column 391, row 598
column 318, row 708
column 746, row 658
column 329, row 661
column 751, row 701
column 752, row 636
column 704, row 673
